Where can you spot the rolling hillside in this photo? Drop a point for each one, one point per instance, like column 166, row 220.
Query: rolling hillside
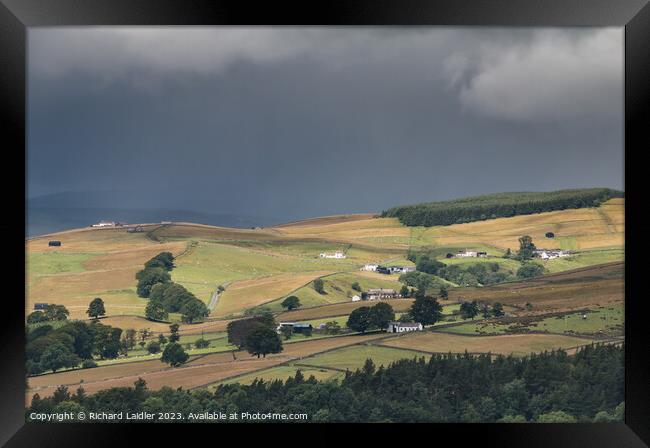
column 261, row 266
column 500, row 205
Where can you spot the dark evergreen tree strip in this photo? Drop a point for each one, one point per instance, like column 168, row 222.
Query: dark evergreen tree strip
column 501, row 205
column 549, row 386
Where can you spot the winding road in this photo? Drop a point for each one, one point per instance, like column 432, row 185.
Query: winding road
column 215, row 297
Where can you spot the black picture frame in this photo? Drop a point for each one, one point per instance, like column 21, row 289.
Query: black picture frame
column 634, row 15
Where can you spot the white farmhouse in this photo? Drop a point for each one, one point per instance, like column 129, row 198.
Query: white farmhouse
column 338, row 254
column 381, row 293
column 401, row 327
column 356, row 298
column 401, row 269
column 370, row 267
column 466, row 253
column 104, row 224
column 550, row 254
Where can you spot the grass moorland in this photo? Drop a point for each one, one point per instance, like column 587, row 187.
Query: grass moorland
column 261, row 267
column 605, row 321
column 511, row 344
column 352, row 358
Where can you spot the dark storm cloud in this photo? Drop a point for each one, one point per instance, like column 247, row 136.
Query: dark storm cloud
column 306, row 121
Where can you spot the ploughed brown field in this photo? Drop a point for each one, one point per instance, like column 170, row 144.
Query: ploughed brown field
column 576, row 289
column 326, row 220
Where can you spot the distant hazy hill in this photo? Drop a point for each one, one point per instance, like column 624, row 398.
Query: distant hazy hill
column 501, row 205
column 62, row 211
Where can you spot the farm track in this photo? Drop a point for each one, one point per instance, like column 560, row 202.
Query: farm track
column 151, row 234
column 215, row 297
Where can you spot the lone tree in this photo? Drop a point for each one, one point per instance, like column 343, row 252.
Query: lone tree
column 380, row 315
column 444, row 293
column 469, row 310
column 130, row 337
column 262, row 341
column 404, row 292
column 56, row 312
column 153, row 347
column 173, row 333
column 291, row 303
column 319, row 286
column 96, row 308
column 174, row 355
column 485, row 310
column 202, row 343
column 497, row 310
column 356, row 286
column 332, row 327
column 426, row 310
column 359, row 319
column 526, row 248
column 238, row 330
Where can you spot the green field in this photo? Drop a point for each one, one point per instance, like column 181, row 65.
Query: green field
column 212, row 264
column 338, row 288
column 282, row 373
column 47, row 263
column 584, row 259
column 604, row 320
column 607, row 321
column 352, row 358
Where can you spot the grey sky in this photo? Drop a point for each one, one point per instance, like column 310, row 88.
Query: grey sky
column 306, row 121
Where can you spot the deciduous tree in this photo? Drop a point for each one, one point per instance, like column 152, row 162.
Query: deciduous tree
column 262, row 341
column 96, row 308
column 291, row 303
column 174, row 354
column 426, row 310
column 359, row 319
column 380, row 315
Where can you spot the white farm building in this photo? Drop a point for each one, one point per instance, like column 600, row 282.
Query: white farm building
column 338, row 254
column 550, row 254
column 370, row 267
column 104, row 224
column 470, row 253
column 402, row 327
column 466, row 253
